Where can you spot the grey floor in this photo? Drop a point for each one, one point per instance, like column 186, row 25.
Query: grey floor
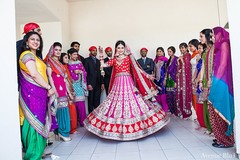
column 179, row 140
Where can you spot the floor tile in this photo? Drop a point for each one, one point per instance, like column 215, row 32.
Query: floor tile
column 152, row 155
column 178, row 154
column 128, row 156
column 127, row 147
column 179, row 140
column 62, row 150
column 80, row 157
column 104, row 156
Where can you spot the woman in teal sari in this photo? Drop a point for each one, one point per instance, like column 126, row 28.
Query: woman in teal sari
column 33, row 93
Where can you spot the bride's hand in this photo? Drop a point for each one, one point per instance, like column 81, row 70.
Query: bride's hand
column 100, row 49
column 127, row 50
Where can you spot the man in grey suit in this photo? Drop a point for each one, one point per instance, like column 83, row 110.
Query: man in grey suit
column 146, row 63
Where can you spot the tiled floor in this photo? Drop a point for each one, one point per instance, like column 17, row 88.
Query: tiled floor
column 179, row 140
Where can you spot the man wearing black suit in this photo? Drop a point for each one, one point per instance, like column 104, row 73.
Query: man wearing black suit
column 146, row 63
column 94, row 79
column 107, row 70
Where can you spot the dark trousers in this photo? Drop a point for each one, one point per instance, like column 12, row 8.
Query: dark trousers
column 106, row 84
column 94, row 98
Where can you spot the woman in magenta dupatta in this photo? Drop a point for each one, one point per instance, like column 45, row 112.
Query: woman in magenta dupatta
column 221, row 98
column 33, row 93
column 128, row 112
column 184, row 83
column 160, row 73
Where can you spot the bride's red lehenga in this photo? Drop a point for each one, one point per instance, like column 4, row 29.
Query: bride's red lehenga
column 127, row 113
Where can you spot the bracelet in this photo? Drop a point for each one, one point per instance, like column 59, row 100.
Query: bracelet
column 49, row 87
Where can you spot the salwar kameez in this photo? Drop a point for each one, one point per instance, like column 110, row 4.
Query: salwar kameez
column 58, row 78
column 171, row 85
column 79, row 84
column 160, row 72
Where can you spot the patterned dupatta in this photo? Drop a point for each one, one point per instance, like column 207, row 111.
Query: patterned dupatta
column 221, row 91
column 59, row 69
column 56, row 65
column 184, row 86
column 74, row 65
column 34, row 104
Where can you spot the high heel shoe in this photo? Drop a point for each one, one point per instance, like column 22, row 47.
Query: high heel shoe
column 56, row 135
column 65, row 139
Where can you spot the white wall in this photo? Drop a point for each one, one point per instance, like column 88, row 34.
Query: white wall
column 234, row 25
column 142, row 23
column 51, row 31
column 60, row 9
column 9, row 120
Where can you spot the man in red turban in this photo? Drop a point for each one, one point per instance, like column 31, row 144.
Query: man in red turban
column 94, row 79
column 32, row 27
column 107, row 70
column 146, row 63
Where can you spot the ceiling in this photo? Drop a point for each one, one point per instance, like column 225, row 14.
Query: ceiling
column 77, row 0
column 32, row 10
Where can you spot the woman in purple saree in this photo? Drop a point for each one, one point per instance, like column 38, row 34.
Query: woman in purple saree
column 33, row 93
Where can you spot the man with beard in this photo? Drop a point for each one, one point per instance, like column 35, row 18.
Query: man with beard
column 107, row 70
column 94, row 79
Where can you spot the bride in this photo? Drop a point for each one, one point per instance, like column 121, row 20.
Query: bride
column 130, row 111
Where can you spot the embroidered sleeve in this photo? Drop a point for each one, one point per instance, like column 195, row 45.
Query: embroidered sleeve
column 28, row 57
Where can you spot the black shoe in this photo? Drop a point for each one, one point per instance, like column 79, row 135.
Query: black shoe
column 46, row 155
column 49, row 143
column 214, row 140
column 220, row 145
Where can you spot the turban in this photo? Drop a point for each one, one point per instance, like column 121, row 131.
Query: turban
column 92, row 48
column 108, row 49
column 30, row 26
column 144, row 49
